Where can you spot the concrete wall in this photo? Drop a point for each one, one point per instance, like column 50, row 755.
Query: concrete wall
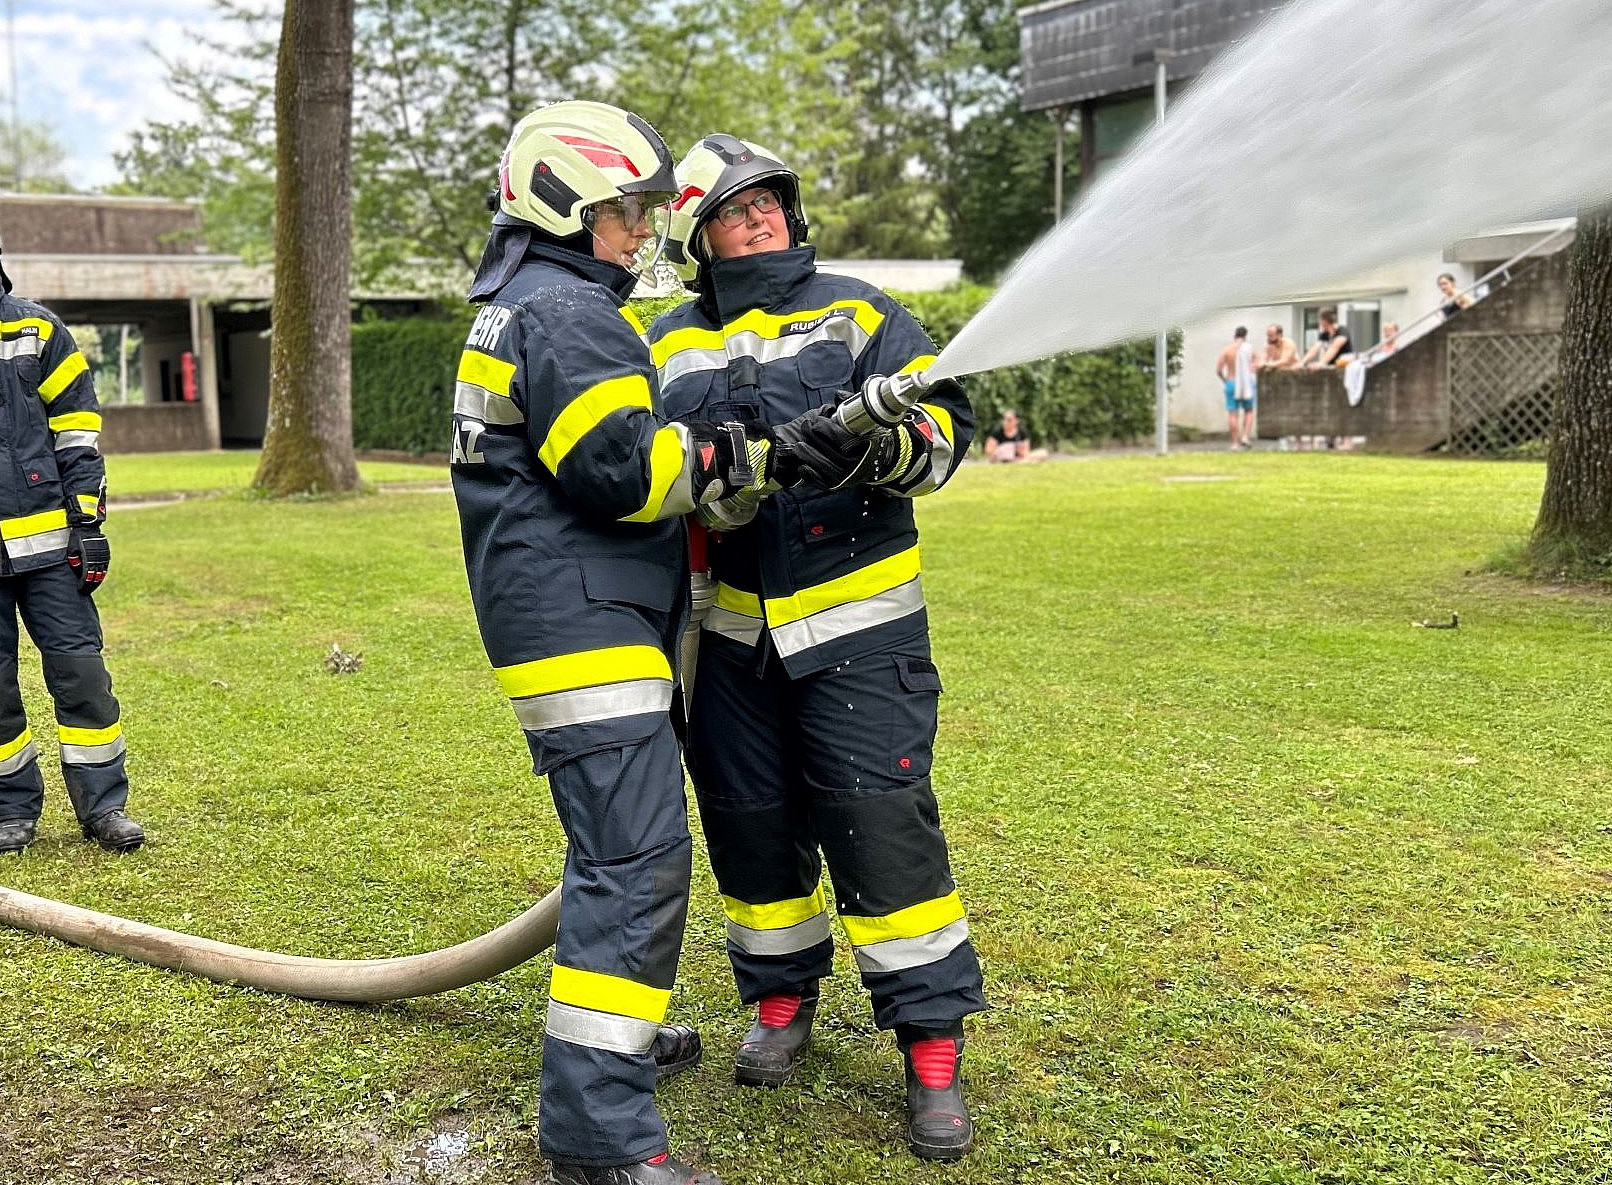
column 154, row 428
column 79, row 224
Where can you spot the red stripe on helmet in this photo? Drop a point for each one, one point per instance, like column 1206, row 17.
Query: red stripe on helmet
column 689, row 193
column 606, row 156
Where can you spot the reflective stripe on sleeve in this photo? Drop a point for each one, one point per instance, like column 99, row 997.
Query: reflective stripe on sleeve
column 16, row 753
column 587, row 411
column 911, row 937
column 77, row 439
column 632, row 319
column 481, row 390
column 778, row 927
column 919, row 364
column 75, row 421
column 670, row 485
column 89, row 503
column 57, row 381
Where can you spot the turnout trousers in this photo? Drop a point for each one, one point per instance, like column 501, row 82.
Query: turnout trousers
column 66, row 628
column 836, row 762
column 623, row 905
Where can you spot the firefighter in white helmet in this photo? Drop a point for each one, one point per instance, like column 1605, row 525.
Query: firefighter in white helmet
column 813, row 719
column 571, row 490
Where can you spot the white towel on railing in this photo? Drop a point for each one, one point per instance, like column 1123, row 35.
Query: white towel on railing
column 1354, row 381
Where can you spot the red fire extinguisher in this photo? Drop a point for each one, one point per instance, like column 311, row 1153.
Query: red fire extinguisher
column 187, row 377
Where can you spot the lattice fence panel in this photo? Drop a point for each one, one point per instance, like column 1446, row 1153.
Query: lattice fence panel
column 1502, row 388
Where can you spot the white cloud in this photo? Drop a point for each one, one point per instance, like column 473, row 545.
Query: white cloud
column 90, row 70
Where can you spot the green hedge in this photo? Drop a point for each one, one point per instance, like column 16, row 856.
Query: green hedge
column 403, row 375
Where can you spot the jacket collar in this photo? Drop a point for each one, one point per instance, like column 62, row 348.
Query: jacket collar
column 512, row 245
column 771, row 280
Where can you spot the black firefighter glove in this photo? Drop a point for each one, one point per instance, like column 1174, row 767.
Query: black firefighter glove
column 823, row 451
column 728, row 458
column 89, row 555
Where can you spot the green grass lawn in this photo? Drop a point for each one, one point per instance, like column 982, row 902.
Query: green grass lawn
column 1270, row 886
column 130, row 476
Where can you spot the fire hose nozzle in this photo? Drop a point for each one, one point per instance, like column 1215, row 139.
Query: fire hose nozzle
column 882, row 403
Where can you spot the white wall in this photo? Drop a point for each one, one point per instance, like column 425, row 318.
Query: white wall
column 1404, row 290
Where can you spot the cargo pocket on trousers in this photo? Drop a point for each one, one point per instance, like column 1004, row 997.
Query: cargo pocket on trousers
column 914, row 717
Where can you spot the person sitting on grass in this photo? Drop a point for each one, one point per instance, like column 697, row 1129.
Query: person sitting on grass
column 1008, row 441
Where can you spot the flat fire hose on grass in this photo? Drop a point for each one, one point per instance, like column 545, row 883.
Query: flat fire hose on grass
column 351, row 980
column 878, row 407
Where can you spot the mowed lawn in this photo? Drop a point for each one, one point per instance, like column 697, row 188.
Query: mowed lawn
column 1270, row 886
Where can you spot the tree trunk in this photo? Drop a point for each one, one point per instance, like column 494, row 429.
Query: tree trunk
column 309, row 443
column 1573, row 534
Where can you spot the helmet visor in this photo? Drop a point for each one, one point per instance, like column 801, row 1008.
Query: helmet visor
column 629, row 215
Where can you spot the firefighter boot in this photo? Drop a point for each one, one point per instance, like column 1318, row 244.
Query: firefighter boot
column 938, row 1125
column 115, row 831
column 677, row 1048
column 774, row 1045
column 16, row 834
column 658, row 1170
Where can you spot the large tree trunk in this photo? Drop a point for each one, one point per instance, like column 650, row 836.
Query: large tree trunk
column 309, row 444
column 1574, row 532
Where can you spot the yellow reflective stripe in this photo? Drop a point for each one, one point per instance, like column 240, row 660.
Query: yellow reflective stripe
column 762, row 324
column 88, row 736
column 666, row 462
column 485, row 371
column 89, row 503
column 859, row 585
column 916, row 920
column 632, row 319
column 921, row 362
column 685, row 339
column 608, row 993
column 71, row 367
column 585, row 412
column 33, row 524
column 736, row 600
column 943, row 421
column 585, row 668
column 81, row 421
column 44, row 327
column 12, row 748
column 775, row 915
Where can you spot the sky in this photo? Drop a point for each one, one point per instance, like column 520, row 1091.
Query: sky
column 87, row 70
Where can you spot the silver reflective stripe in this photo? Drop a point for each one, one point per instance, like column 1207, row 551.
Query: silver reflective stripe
column 606, row 701
column 600, row 1030
column 21, row 347
column 92, row 754
column 54, row 540
column 841, row 327
column 76, row 438
column 478, row 403
column 940, row 463
column 689, row 361
column 829, row 624
column 898, row 954
column 800, row 936
column 19, row 760
column 679, row 498
column 733, row 625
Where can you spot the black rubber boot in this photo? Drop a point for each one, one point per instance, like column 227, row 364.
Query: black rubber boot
column 775, row 1044
column 662, row 1170
column 16, row 834
column 677, row 1048
column 938, row 1123
column 115, row 831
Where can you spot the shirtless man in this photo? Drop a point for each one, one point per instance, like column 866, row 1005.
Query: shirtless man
column 1235, row 368
column 1280, row 352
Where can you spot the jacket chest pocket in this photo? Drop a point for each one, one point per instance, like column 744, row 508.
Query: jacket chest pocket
column 825, row 369
column 706, row 397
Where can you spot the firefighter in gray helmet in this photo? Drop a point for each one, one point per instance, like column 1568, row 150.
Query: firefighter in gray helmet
column 572, row 490
column 813, row 718
column 52, row 558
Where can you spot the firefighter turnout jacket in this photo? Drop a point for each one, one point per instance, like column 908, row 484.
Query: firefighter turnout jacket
column 829, row 575
column 49, row 461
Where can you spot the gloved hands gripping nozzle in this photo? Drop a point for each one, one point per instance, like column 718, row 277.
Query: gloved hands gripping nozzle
column 858, row 441
column 882, row 403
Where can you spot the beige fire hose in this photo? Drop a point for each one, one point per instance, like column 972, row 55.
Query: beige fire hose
column 358, row 980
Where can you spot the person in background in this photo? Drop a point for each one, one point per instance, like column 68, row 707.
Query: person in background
column 54, row 557
column 1280, row 352
column 1235, row 368
column 1008, row 441
column 1331, row 347
column 1390, row 341
column 1454, row 301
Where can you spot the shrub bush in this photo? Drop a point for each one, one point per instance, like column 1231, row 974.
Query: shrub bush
column 403, row 377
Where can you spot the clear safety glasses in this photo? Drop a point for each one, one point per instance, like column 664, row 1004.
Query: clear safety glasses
column 732, row 214
column 631, row 212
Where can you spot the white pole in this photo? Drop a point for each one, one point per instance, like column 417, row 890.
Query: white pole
column 1161, row 367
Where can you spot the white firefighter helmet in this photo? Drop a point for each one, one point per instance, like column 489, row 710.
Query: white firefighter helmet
column 568, row 157
column 715, row 169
